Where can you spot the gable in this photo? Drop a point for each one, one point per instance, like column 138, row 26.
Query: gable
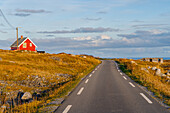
column 21, row 41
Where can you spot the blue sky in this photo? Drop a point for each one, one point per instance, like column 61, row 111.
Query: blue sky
column 105, row 28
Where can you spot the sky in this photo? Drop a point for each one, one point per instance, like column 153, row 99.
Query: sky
column 102, row 28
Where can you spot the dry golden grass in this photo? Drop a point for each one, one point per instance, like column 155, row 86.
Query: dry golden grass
column 16, row 66
column 154, row 83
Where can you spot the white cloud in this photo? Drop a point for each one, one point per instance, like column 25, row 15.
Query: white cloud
column 83, row 38
column 105, row 37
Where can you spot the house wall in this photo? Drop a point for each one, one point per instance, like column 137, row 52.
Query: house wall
column 33, row 48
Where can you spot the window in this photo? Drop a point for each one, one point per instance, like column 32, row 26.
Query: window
column 25, row 45
column 30, row 44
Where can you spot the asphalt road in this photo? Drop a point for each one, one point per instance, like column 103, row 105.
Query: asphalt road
column 107, row 90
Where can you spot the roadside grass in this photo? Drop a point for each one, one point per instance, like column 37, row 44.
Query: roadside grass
column 17, row 66
column 153, row 83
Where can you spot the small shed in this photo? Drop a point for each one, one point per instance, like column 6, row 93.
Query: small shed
column 24, row 43
column 158, row 60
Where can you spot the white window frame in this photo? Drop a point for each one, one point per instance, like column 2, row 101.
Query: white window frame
column 30, row 44
column 24, row 45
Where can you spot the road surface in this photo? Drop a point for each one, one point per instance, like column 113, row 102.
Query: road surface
column 108, row 90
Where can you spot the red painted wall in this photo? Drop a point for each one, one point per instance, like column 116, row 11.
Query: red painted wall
column 33, row 48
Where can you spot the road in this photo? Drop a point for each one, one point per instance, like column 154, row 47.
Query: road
column 108, row 90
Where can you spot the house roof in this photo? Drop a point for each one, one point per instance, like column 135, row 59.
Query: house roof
column 20, row 41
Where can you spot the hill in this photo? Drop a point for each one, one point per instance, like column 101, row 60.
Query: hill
column 41, row 75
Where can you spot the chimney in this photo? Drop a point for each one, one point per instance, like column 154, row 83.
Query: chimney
column 21, row 37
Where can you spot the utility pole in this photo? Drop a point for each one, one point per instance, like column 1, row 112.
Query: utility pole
column 17, row 35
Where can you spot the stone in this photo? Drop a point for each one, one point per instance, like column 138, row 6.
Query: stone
column 145, row 69
column 168, row 73
column 158, row 72
column 149, row 67
column 163, row 75
column 26, row 96
column 154, row 68
column 133, row 62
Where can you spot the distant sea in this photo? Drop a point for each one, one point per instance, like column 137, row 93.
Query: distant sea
column 136, row 58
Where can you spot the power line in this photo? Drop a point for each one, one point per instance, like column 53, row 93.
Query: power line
column 6, row 20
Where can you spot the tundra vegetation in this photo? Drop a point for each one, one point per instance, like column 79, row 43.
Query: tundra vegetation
column 154, row 76
column 29, row 80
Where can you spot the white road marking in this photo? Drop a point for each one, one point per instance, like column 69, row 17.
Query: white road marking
column 67, row 109
column 96, row 69
column 90, row 75
column 124, row 77
column 93, row 71
column 119, row 70
column 131, row 84
column 121, row 73
column 86, row 81
column 80, row 91
column 146, row 98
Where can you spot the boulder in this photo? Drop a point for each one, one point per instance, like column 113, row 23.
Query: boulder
column 149, row 67
column 158, row 72
column 163, row 75
column 133, row 62
column 145, row 69
column 154, row 68
column 26, row 96
column 168, row 73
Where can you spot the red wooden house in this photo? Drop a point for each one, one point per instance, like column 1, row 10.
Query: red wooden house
column 24, row 43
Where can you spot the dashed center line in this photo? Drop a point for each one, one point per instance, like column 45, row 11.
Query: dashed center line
column 67, row 109
column 93, row 71
column 121, row 73
column 96, row 69
column 124, row 77
column 90, row 75
column 146, row 98
column 86, row 81
column 131, row 84
column 80, row 91
column 119, row 70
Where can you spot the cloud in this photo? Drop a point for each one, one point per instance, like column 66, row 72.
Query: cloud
column 2, row 24
column 102, row 12
column 148, row 25
column 137, row 21
column 2, row 31
column 22, row 14
column 152, row 38
column 93, row 19
column 82, row 30
column 83, row 38
column 32, row 11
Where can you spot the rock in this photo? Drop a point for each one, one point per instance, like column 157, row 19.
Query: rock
column 145, row 69
column 133, row 62
column 3, row 108
column 168, row 73
column 167, row 77
column 168, row 81
column 163, row 75
column 149, row 67
column 154, row 68
column 26, row 96
column 158, row 72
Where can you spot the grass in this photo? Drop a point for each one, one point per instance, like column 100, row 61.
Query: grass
column 17, row 66
column 156, row 84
